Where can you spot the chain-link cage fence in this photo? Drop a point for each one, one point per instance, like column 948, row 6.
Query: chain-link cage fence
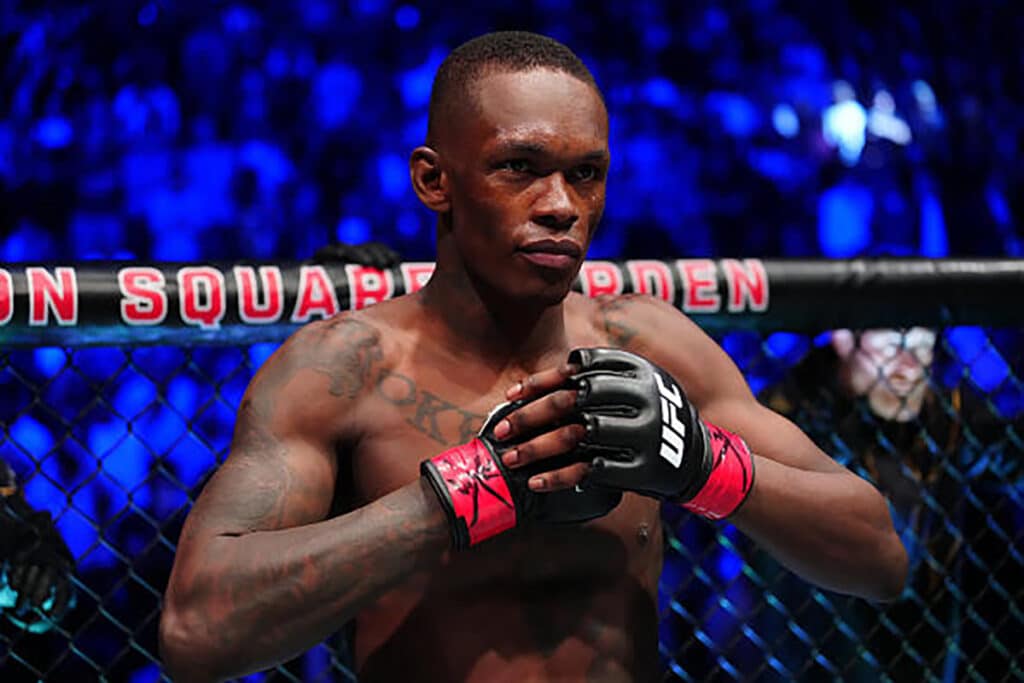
column 940, row 431
column 115, row 441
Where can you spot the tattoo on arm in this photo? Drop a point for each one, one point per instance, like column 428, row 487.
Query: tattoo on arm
column 258, row 489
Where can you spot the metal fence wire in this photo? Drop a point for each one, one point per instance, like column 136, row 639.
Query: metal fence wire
column 115, row 442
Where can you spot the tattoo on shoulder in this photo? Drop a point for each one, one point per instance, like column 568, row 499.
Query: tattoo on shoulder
column 348, row 352
column 615, row 318
column 345, row 350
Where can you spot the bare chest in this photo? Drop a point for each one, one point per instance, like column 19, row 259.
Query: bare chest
column 415, row 413
column 409, row 415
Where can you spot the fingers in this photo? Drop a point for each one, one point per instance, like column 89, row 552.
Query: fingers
column 611, row 431
column 562, row 478
column 61, row 599
column 607, row 360
column 547, row 445
column 545, row 412
column 541, row 382
column 34, row 584
column 14, row 576
column 597, row 390
column 24, row 586
column 40, row 590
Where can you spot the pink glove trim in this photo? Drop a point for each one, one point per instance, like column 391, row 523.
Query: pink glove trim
column 732, row 476
column 479, row 492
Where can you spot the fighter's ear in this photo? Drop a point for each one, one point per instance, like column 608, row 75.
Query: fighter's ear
column 843, row 342
column 429, row 179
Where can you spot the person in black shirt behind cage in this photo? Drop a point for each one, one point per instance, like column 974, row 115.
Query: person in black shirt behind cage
column 36, row 589
column 944, row 459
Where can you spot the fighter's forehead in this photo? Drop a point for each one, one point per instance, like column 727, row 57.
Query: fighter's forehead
column 540, row 106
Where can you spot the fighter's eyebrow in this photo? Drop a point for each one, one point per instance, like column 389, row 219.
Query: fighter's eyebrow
column 520, row 147
column 539, row 149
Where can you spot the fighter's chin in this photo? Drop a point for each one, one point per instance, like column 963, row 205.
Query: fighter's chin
column 544, row 294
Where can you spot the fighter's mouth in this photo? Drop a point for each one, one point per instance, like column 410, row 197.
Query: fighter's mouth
column 552, row 255
column 558, row 247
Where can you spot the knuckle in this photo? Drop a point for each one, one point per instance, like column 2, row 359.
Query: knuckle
column 565, row 399
column 530, row 383
column 566, row 477
column 555, row 479
column 526, row 453
column 570, row 435
column 515, row 420
column 580, row 472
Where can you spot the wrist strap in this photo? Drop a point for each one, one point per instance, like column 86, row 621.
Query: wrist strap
column 731, row 479
column 473, row 493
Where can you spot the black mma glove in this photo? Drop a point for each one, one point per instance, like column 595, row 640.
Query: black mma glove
column 372, row 254
column 38, row 565
column 482, row 497
column 643, row 435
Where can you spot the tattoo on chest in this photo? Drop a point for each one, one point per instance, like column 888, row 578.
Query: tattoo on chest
column 437, row 418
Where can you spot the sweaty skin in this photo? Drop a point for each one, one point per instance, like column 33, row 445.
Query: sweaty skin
column 319, row 517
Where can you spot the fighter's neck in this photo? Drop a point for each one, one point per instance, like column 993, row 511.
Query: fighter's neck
column 466, row 319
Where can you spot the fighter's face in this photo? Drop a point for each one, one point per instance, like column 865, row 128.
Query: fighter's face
column 891, row 367
column 527, row 181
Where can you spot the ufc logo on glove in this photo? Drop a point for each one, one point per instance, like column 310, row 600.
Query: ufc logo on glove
column 673, row 431
column 645, row 436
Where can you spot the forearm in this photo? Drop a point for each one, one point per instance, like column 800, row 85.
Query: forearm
column 831, row 528
column 258, row 599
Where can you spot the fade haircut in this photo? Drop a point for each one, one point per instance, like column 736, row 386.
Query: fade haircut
column 502, row 51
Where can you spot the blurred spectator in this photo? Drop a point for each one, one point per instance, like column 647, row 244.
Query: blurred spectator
column 869, row 399
column 35, row 586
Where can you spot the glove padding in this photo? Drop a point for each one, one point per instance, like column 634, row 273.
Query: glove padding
column 372, row 254
column 38, row 566
column 482, row 497
column 643, row 434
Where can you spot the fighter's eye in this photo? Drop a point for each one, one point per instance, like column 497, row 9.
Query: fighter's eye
column 515, row 165
column 583, row 174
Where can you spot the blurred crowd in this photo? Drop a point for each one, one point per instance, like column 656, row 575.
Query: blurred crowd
column 177, row 130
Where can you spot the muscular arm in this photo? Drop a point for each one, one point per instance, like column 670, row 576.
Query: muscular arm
column 260, row 574
column 816, row 517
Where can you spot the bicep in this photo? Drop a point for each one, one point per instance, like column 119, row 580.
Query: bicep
column 282, row 467
column 269, row 481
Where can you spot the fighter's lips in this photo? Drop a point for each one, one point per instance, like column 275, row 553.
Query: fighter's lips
column 552, row 253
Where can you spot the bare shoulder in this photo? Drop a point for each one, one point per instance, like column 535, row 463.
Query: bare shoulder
column 631, row 321
column 663, row 334
column 317, row 376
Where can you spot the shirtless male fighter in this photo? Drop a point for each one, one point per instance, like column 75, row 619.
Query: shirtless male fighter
column 356, row 490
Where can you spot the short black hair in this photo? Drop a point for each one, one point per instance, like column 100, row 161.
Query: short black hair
column 508, row 51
